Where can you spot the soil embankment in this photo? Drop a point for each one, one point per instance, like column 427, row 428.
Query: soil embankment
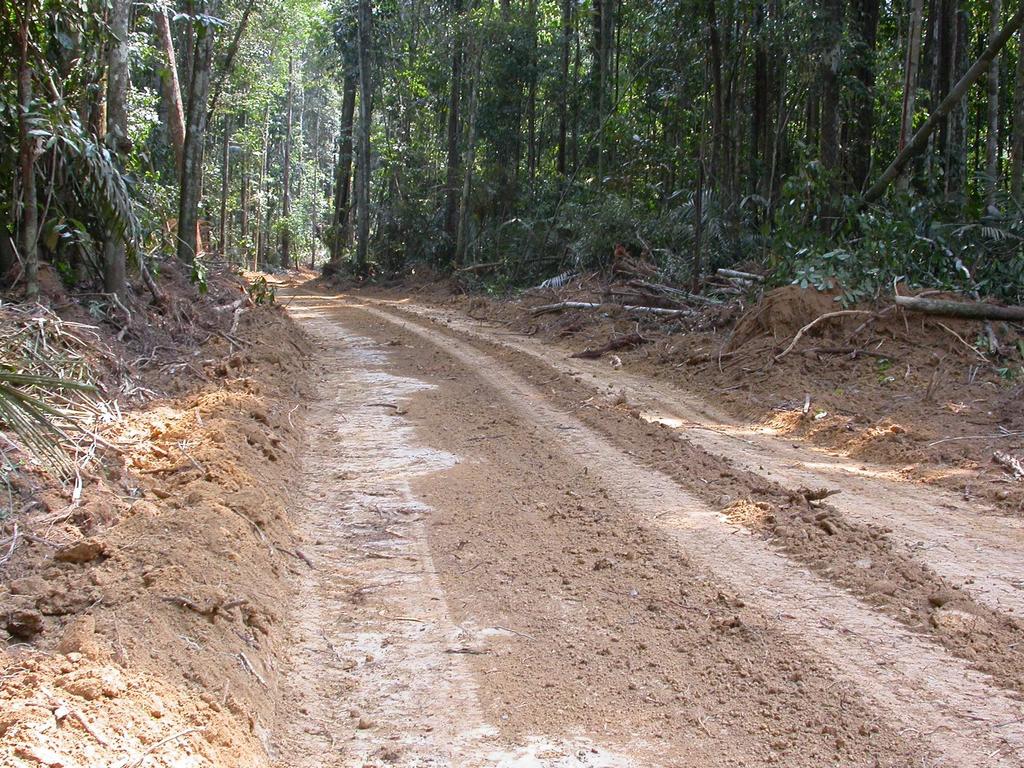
column 145, row 623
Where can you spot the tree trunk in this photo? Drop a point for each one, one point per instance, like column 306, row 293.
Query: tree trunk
column 451, row 184
column 343, row 172
column 971, row 310
column 759, row 111
column 943, row 79
column 262, row 206
column 830, row 86
column 956, row 148
column 229, row 57
column 316, row 197
column 563, row 96
column 531, row 97
column 365, row 107
column 1017, row 139
column 863, row 99
column 195, row 138
column 171, row 88
column 286, row 184
column 243, row 202
column 920, row 138
column 461, row 241
column 29, row 211
column 910, row 75
column 114, row 268
column 717, row 97
column 992, row 132
column 225, row 180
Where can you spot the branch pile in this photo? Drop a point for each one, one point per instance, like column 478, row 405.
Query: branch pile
column 52, row 396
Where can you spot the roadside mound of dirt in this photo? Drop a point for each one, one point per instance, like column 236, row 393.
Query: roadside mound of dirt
column 782, row 312
column 141, row 624
column 932, row 397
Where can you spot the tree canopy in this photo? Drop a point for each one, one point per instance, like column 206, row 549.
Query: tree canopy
column 517, row 139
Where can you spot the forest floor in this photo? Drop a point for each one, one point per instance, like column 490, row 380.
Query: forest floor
column 401, row 528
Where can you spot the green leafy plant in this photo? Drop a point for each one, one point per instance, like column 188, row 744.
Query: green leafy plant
column 261, row 292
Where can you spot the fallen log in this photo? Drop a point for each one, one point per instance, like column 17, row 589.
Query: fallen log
column 740, row 275
column 1011, row 463
column 674, row 293
column 637, row 298
column 480, row 267
column 623, row 342
column 971, row 310
column 559, row 306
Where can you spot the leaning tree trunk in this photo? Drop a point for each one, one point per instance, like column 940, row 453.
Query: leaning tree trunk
column 195, row 137
column 365, row 105
column 114, row 269
column 171, row 88
column 920, row 138
column 29, row 212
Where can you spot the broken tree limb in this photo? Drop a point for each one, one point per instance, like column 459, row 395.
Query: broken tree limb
column 674, row 293
column 814, row 322
column 623, row 342
column 740, row 275
column 972, row 310
column 1011, row 463
column 920, row 138
column 480, row 267
column 559, row 306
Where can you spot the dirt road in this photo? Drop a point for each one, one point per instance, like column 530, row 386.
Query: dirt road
column 524, row 560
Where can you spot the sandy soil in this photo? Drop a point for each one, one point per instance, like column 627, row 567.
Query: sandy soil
column 518, row 564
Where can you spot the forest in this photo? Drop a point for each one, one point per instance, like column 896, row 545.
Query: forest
column 837, row 145
column 511, row 383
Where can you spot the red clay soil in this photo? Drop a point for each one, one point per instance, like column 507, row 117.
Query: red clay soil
column 141, row 624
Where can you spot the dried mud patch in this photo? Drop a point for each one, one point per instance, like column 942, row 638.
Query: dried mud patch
column 156, row 637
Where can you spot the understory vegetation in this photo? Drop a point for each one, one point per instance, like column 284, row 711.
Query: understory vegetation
column 508, row 142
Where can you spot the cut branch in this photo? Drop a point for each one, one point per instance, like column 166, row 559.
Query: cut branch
column 806, row 328
column 623, row 342
column 544, row 308
column 972, row 310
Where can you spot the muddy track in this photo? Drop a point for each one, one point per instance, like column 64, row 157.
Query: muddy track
column 499, row 578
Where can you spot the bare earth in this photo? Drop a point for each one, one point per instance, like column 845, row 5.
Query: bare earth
column 525, row 560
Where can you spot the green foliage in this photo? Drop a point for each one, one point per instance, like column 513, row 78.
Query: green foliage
column 197, row 275
column 907, row 238
column 261, row 292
